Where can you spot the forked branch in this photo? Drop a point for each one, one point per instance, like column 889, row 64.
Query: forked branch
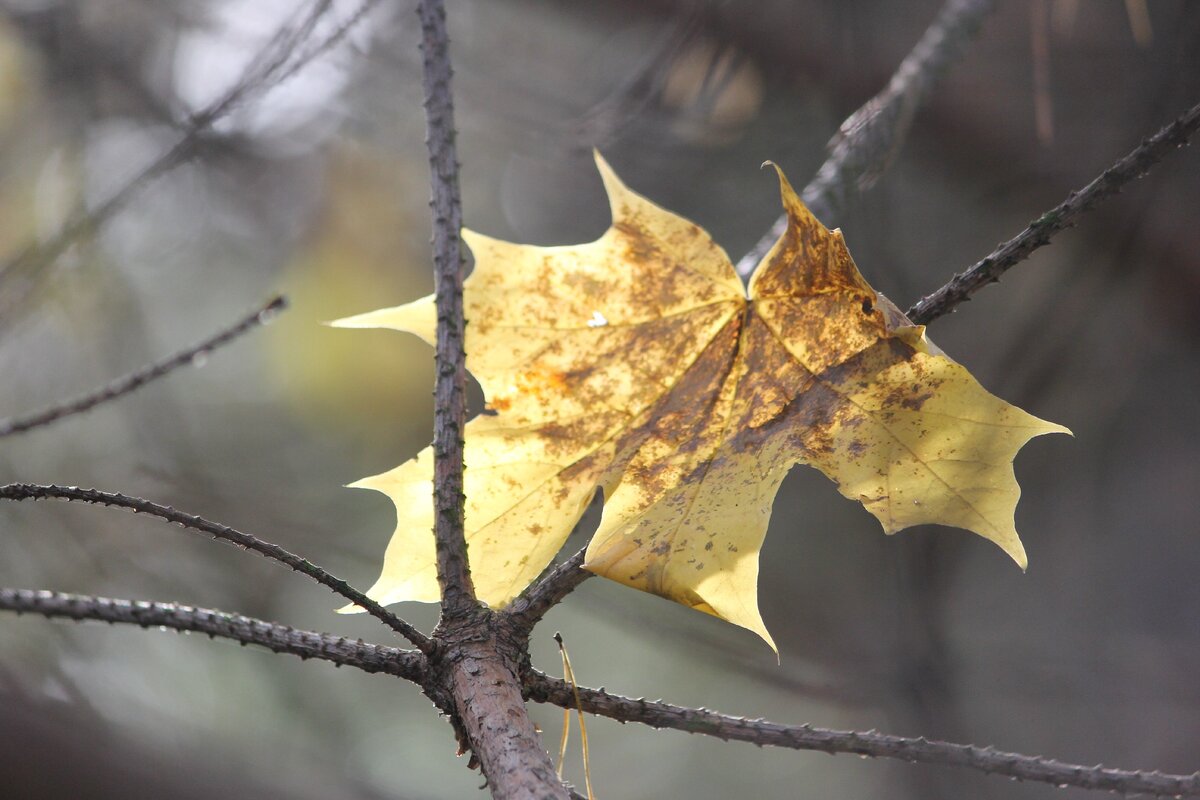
column 475, row 668
column 543, row 689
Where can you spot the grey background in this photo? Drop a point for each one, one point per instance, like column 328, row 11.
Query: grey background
column 320, row 190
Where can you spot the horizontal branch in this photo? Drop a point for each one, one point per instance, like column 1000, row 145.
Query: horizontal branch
column 277, row 638
column 867, row 141
column 989, row 269
column 544, row 689
column 135, row 380
column 29, row 491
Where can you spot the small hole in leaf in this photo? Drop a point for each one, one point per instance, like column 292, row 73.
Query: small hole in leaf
column 867, row 306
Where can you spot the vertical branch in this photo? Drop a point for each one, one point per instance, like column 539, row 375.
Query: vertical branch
column 449, row 416
column 476, row 663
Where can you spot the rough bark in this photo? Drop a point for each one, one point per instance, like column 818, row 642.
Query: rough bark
column 476, row 675
column 450, row 387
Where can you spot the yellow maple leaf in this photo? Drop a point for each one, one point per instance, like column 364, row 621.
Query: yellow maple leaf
column 637, row 364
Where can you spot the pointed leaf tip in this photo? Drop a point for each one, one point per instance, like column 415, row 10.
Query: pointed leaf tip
column 792, row 204
column 614, row 187
column 1016, row 551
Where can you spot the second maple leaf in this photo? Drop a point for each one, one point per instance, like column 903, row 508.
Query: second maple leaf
column 638, row 364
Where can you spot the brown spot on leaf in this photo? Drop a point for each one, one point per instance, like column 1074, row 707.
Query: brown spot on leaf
column 914, row 402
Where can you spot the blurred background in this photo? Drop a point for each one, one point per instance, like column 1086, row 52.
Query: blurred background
column 318, row 188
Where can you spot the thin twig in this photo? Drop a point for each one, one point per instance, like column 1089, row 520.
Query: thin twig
column 135, row 380
column 278, row 638
column 545, row 689
column 28, row 491
column 273, row 65
column 450, row 388
column 538, row 598
column 989, row 269
column 868, row 140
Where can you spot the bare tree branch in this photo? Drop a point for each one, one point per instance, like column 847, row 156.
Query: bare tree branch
column 450, row 389
column 135, row 380
column 29, row 491
column 539, row 597
column 274, row 64
column 278, row 638
column 476, row 665
column 541, row 688
column 545, row 689
column 867, row 141
column 989, row 269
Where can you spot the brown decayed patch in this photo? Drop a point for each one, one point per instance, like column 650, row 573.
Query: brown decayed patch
column 681, row 418
column 914, row 401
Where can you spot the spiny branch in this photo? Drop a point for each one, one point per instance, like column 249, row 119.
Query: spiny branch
column 135, row 380
column 869, row 139
column 544, row 689
column 274, row 64
column 533, row 603
column 1038, row 233
column 476, row 664
column 28, row 491
column 450, row 388
column 245, row 630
